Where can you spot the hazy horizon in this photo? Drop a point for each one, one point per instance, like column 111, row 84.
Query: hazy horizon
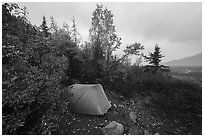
column 175, row 26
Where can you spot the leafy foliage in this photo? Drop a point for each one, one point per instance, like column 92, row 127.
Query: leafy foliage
column 134, row 49
column 103, row 34
column 32, row 72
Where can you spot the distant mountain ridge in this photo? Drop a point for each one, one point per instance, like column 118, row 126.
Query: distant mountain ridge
column 195, row 60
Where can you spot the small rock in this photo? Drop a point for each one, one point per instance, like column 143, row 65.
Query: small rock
column 121, row 97
column 199, row 115
column 147, row 100
column 101, row 125
column 156, row 134
column 132, row 101
column 134, row 131
column 113, row 128
column 133, row 117
column 140, row 105
column 115, row 105
column 146, row 132
column 121, row 106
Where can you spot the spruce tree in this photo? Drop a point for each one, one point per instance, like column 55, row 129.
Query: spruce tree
column 154, row 60
column 44, row 27
column 76, row 38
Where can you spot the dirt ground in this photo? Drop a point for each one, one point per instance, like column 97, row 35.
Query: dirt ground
column 149, row 120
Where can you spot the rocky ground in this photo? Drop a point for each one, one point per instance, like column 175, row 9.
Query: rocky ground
column 136, row 115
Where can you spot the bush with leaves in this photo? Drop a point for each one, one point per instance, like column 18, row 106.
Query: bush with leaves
column 32, row 73
column 169, row 94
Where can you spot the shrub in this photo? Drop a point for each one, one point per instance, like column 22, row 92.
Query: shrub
column 32, row 72
column 169, row 94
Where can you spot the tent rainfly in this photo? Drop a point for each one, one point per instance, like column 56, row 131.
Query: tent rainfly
column 88, row 99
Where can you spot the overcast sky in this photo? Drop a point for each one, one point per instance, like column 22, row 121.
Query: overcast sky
column 175, row 27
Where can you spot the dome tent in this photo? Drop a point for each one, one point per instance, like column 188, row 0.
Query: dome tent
column 88, row 99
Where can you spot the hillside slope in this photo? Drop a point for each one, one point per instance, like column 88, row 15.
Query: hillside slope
column 195, row 60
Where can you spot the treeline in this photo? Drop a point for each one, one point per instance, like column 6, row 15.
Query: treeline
column 39, row 63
